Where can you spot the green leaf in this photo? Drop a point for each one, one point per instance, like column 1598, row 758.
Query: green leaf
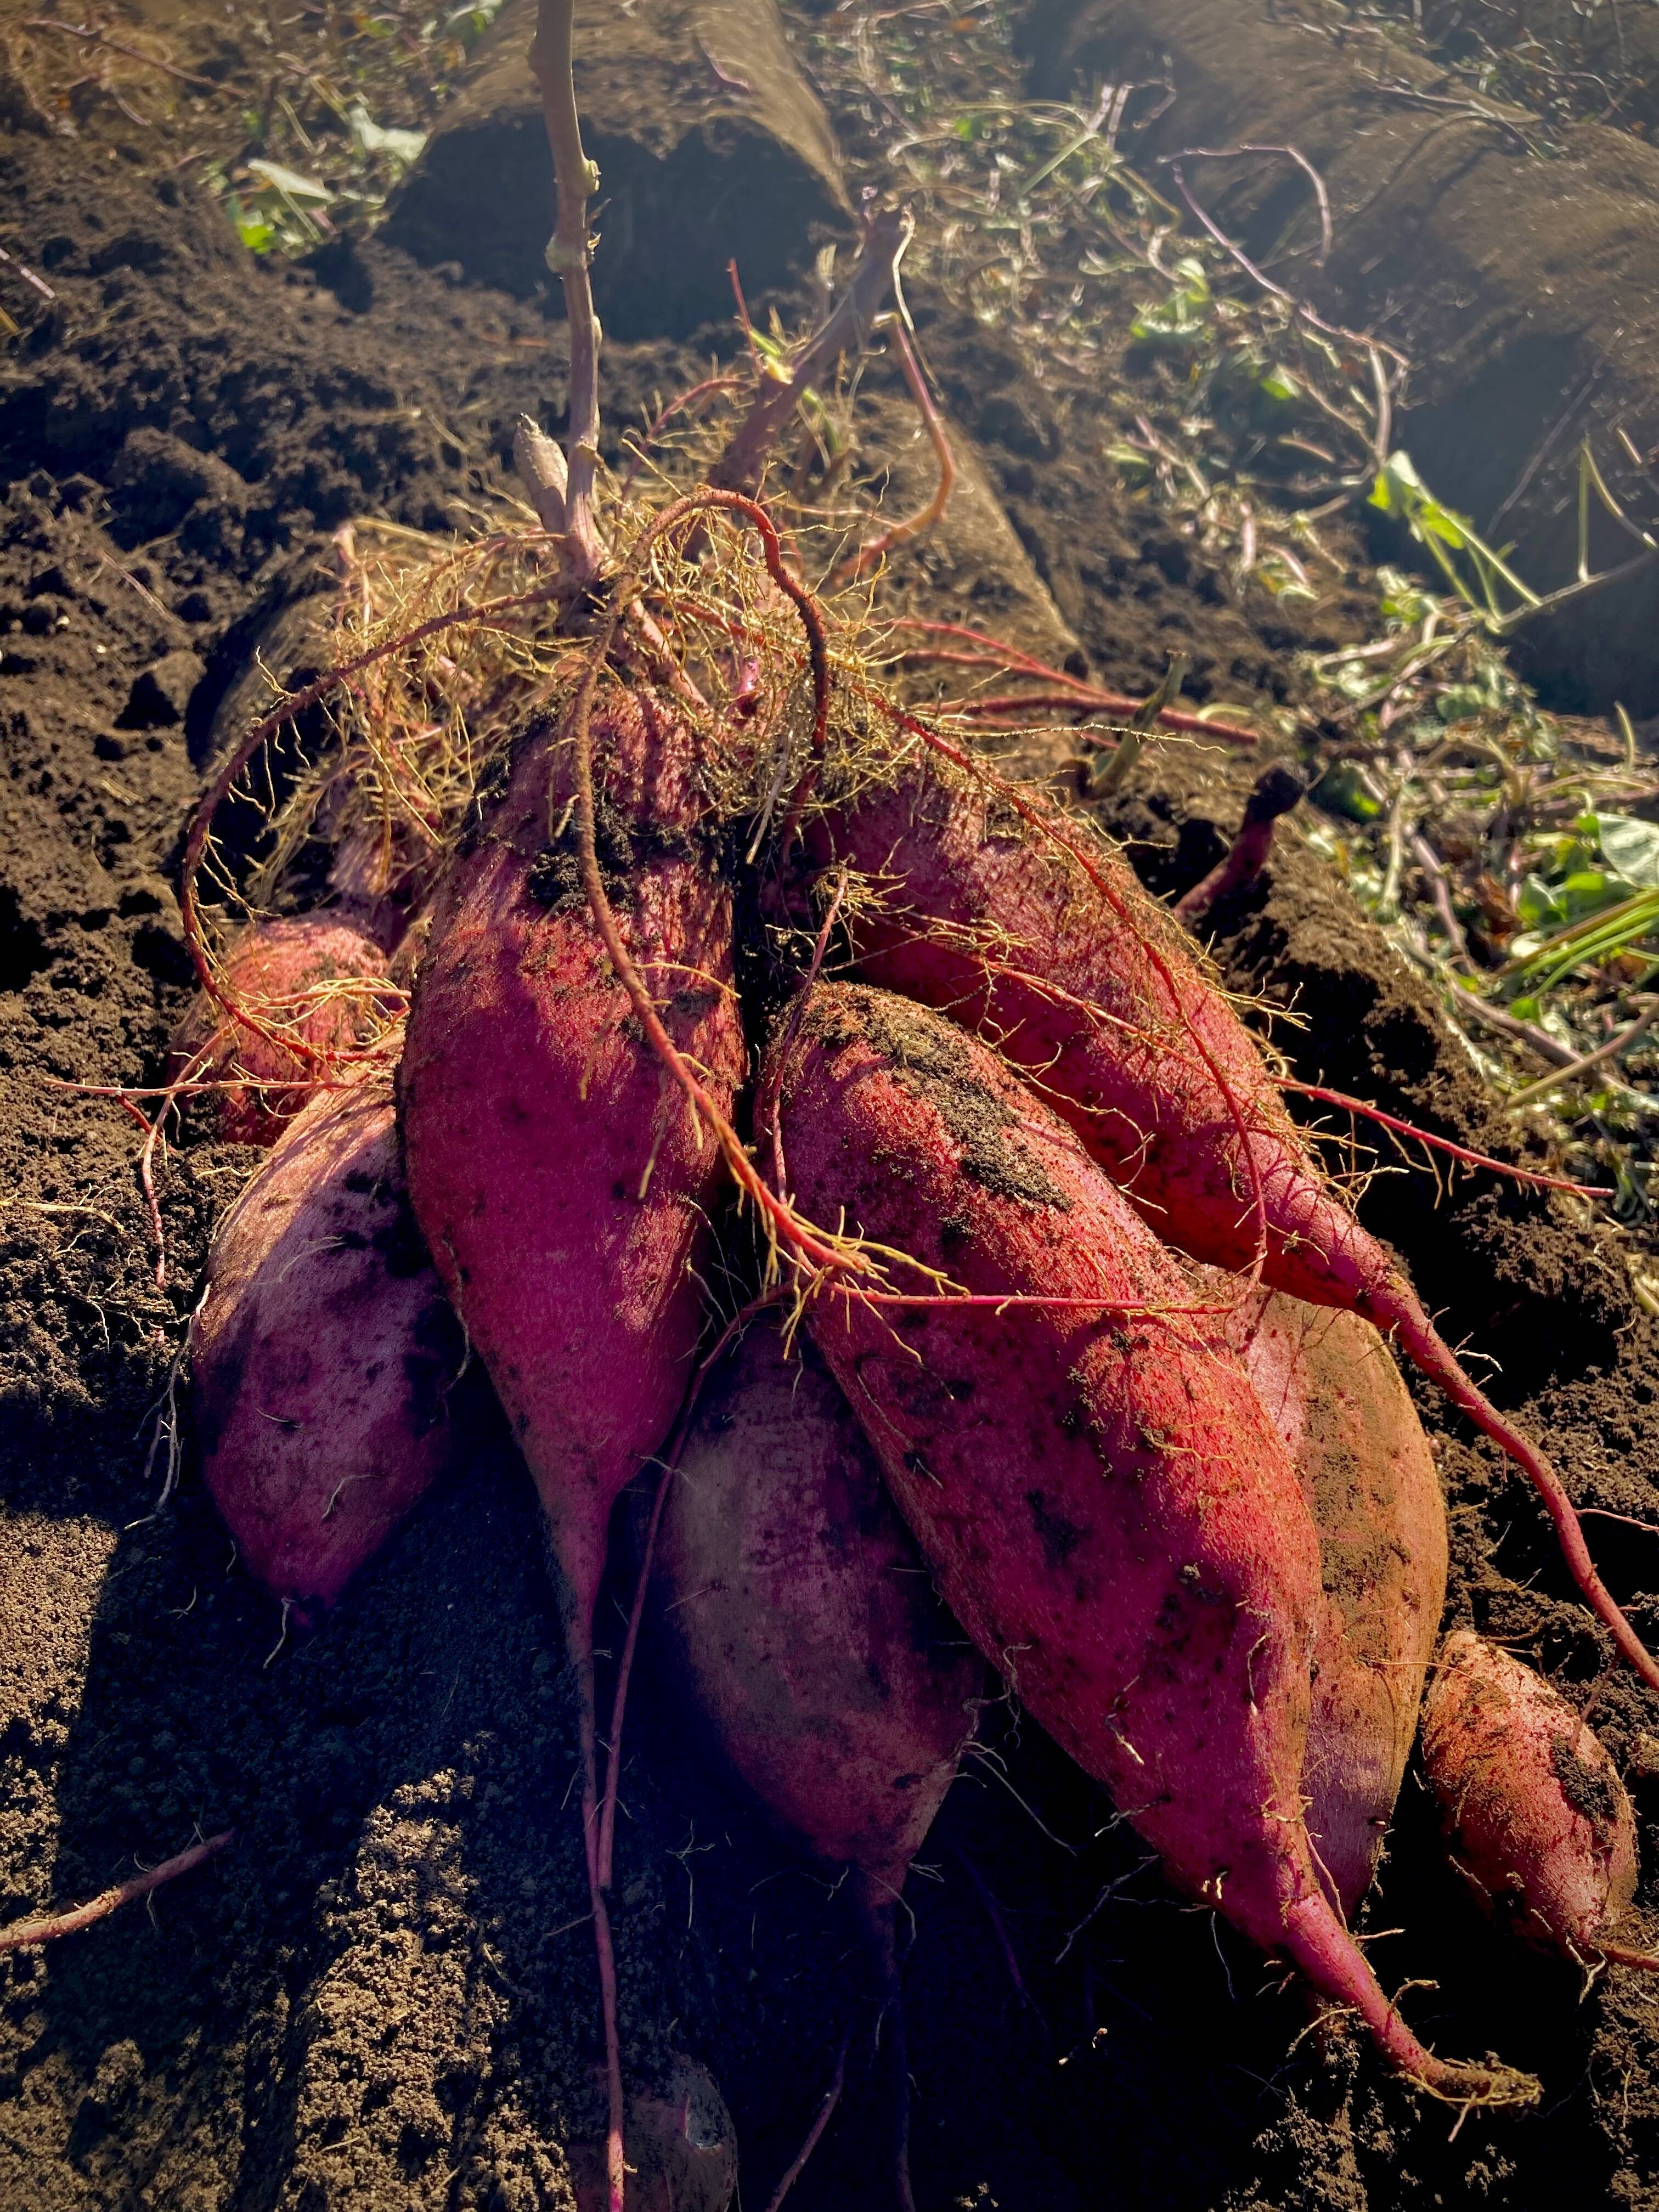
column 1400, row 490
column 1537, row 904
column 1586, row 891
column 254, row 230
column 1184, row 317
column 1404, row 599
column 1462, row 703
column 1339, row 791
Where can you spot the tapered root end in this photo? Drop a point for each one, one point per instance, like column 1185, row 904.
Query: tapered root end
column 1616, row 1954
column 876, row 1903
column 1493, row 2088
column 1327, row 1956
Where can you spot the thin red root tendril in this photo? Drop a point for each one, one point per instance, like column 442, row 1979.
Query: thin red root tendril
column 900, row 534
column 659, row 421
column 820, row 2121
column 1445, row 1144
column 1067, row 692
column 23, row 1933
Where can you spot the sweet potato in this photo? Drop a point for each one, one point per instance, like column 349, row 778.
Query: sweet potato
column 805, row 1629
column 1534, row 1815
column 682, row 2149
column 554, row 1165
column 1025, row 926
column 1092, row 1478
column 1348, row 1422
column 288, row 974
column 324, row 1355
column 554, row 1169
column 801, row 1621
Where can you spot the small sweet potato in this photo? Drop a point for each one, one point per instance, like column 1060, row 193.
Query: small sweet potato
column 1091, row 1475
column 292, row 974
column 1535, row 1817
column 324, row 1356
column 802, row 1622
column 682, row 2149
column 1347, row 1419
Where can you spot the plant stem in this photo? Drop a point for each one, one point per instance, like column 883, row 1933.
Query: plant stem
column 575, row 179
column 741, row 466
column 1612, row 1049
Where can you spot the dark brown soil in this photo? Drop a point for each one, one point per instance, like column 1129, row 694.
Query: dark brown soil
column 381, row 1997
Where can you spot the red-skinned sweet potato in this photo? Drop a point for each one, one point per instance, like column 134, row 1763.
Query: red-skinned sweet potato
column 554, row 1170
column 1104, row 1502
column 1024, row 924
column 295, row 973
column 1347, row 1420
column 554, row 1166
column 324, row 1356
column 1534, row 1815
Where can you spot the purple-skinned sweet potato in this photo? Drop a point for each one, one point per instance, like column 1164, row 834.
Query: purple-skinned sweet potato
column 325, row 1358
column 682, row 2149
column 1092, row 1476
column 804, row 1628
column 801, row 1621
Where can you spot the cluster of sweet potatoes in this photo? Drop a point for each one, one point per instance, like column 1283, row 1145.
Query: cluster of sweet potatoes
column 1066, row 1370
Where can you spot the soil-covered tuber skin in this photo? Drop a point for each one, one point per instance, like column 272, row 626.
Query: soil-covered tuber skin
column 1105, row 1503
column 802, row 1623
column 281, row 972
column 1025, row 926
column 1347, row 1420
column 557, row 1176
column 326, row 1362
column 805, row 1629
column 1535, row 1817
column 1093, row 988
